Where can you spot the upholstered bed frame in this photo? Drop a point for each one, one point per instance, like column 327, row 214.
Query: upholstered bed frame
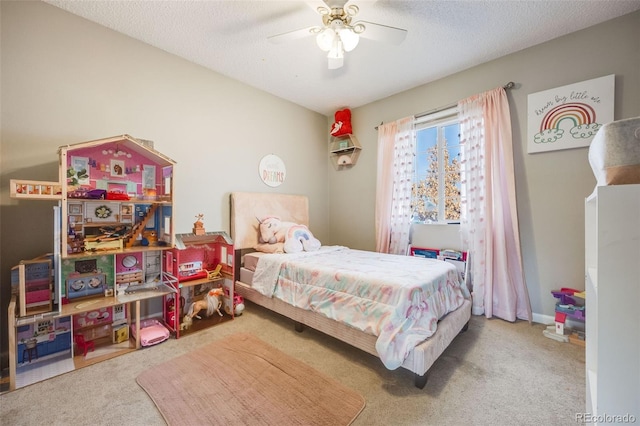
column 246, row 208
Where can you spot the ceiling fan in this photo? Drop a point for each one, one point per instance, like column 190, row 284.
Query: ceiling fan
column 338, row 34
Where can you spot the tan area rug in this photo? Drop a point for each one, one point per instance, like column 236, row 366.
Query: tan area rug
column 242, row 380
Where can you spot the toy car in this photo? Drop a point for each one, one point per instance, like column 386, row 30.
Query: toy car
column 96, row 194
column 78, row 193
column 86, row 193
column 152, row 332
column 117, row 194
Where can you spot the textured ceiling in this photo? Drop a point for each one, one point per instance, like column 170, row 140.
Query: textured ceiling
column 444, row 37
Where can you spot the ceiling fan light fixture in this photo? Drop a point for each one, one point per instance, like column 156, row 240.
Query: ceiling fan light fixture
column 358, row 28
column 338, row 34
column 336, row 55
column 336, row 52
column 349, row 39
column 335, row 63
column 351, row 10
column 325, row 39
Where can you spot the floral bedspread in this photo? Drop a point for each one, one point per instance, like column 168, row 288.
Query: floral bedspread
column 397, row 298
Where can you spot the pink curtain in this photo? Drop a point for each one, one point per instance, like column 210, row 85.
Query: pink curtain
column 396, row 149
column 489, row 222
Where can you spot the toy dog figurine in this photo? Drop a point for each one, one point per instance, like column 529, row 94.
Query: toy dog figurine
column 186, row 323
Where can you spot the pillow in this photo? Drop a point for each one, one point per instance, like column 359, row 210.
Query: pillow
column 299, row 238
column 270, row 248
column 342, row 125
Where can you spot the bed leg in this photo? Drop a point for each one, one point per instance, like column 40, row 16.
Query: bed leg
column 420, row 381
column 299, row 327
column 465, row 328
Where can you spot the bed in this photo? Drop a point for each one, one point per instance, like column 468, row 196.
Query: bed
column 387, row 307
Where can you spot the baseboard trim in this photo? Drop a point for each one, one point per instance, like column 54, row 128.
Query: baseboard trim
column 549, row 320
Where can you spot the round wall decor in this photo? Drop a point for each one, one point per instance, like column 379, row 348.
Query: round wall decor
column 272, row 170
column 129, row 261
column 103, row 212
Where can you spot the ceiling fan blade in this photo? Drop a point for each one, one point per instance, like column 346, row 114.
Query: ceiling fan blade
column 291, row 35
column 381, row 32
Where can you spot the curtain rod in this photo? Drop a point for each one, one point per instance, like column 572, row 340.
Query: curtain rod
column 509, row 85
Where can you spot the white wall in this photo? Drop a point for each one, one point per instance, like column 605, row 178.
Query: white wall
column 551, row 186
column 66, row 80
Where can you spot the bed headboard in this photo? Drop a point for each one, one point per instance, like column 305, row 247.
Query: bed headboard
column 247, row 207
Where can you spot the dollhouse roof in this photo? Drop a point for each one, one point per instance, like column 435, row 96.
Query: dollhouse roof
column 126, row 143
column 182, row 240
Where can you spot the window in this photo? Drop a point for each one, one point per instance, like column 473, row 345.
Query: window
column 436, row 184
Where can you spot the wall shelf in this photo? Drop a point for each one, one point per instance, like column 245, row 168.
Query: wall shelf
column 344, row 151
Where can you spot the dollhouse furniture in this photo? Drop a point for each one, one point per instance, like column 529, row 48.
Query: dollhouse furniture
column 114, row 219
column 84, row 346
column 32, row 283
column 246, row 207
column 30, row 350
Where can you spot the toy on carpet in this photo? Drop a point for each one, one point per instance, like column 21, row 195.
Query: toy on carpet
column 568, row 306
column 212, row 303
column 296, row 237
column 238, row 303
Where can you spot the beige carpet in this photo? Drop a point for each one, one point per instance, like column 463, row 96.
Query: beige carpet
column 242, row 380
column 495, row 374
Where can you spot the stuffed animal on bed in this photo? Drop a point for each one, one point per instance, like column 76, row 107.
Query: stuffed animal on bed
column 296, row 237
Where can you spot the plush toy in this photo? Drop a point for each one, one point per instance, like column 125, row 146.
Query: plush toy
column 296, row 238
column 342, row 125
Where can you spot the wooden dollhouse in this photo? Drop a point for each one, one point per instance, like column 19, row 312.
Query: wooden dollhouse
column 200, row 261
column 114, row 221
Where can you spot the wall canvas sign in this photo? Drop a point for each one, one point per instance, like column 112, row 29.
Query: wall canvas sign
column 569, row 116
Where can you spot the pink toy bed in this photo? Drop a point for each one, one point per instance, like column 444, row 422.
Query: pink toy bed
column 405, row 310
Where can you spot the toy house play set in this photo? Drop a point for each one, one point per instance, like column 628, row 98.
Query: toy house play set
column 119, row 277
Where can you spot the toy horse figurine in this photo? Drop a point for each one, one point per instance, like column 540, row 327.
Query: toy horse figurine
column 212, row 303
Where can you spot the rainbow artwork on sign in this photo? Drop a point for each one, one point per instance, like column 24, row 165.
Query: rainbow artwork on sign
column 569, row 116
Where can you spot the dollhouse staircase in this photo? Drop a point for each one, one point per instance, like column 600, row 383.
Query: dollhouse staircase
column 138, row 228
